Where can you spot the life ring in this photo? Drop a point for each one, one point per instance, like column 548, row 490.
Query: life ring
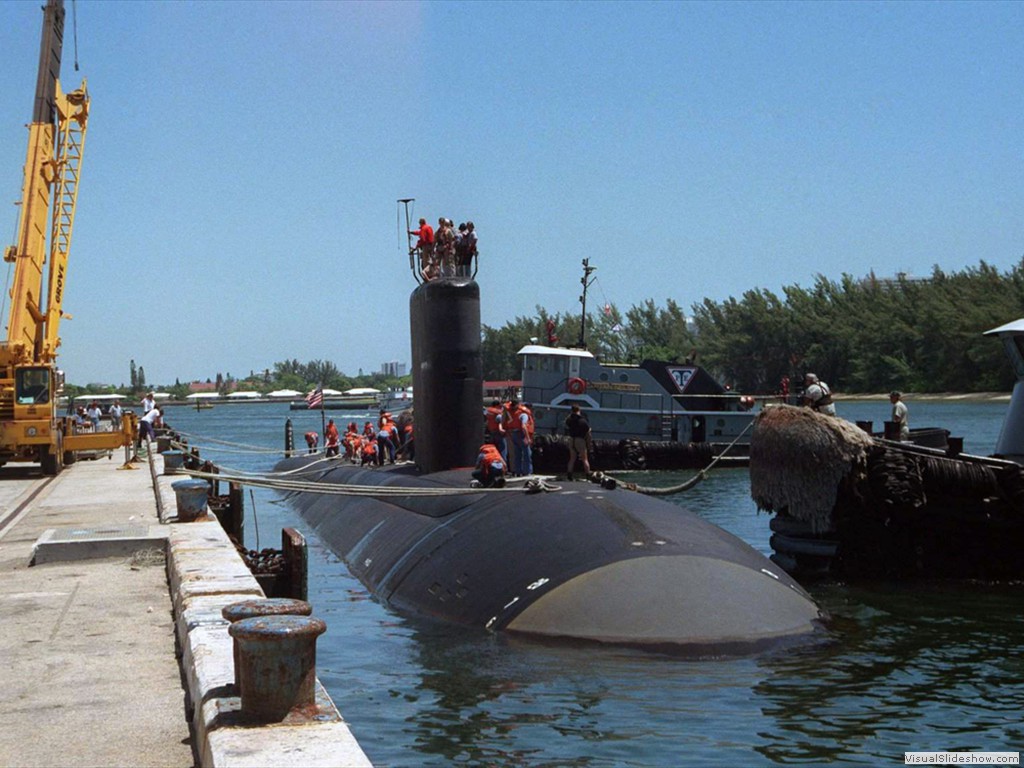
column 576, row 386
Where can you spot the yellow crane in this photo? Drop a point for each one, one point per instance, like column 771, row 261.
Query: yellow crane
column 30, row 383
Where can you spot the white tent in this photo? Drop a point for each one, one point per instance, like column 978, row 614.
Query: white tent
column 327, row 391
column 282, row 393
column 100, row 398
column 243, row 395
column 161, row 395
column 362, row 391
column 202, row 396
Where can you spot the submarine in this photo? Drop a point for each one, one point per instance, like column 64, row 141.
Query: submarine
column 576, row 562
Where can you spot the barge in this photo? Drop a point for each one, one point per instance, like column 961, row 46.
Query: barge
column 849, row 505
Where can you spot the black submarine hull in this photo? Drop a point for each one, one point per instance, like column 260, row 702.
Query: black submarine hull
column 582, row 562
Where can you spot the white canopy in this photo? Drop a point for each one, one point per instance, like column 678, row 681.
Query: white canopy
column 284, row 393
column 328, row 391
column 202, row 396
column 537, row 349
column 99, row 397
column 243, row 395
column 362, row 391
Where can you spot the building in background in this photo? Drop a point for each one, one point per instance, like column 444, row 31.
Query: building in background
column 393, row 368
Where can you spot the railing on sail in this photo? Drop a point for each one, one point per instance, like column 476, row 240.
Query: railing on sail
column 445, row 271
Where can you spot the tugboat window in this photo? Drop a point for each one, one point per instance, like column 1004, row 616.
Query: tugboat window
column 623, row 377
column 603, row 377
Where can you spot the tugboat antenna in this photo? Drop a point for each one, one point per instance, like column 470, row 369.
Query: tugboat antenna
column 586, row 280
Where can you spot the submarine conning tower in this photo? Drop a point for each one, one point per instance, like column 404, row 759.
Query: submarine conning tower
column 447, row 372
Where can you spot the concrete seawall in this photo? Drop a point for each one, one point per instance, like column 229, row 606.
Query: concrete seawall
column 115, row 662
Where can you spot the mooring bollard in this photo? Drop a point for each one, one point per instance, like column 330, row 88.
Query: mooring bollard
column 173, row 462
column 277, row 664
column 262, row 606
column 191, row 497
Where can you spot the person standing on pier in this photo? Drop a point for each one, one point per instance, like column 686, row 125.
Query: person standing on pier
column 900, row 414
column 148, row 425
column 116, row 412
column 148, row 403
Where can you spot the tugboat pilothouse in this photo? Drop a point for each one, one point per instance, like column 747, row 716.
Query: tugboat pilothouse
column 652, row 401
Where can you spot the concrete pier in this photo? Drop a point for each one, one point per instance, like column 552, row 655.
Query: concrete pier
column 115, row 648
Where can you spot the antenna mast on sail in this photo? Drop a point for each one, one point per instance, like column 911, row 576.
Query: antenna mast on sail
column 586, row 280
column 408, row 226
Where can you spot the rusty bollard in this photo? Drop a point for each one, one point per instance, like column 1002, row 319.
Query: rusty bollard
column 262, row 606
column 173, row 462
column 277, row 664
column 191, row 496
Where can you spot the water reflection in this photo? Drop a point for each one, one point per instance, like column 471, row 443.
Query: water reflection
column 923, row 667
column 914, row 668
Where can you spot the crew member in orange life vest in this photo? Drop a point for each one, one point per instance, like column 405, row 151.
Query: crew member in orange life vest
column 521, row 428
column 490, row 467
column 385, row 445
column 332, row 440
column 408, row 443
column 312, row 438
column 494, row 414
column 351, row 441
column 369, row 451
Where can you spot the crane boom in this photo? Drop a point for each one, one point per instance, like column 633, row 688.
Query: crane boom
column 30, row 429
column 52, row 167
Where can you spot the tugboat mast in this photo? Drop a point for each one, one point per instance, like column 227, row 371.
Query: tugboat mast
column 586, row 280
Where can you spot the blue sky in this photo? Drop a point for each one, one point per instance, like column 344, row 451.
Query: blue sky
column 243, row 160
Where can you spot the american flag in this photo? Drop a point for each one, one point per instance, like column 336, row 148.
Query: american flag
column 315, row 398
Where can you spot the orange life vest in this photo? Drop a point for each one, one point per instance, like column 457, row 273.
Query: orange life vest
column 517, row 422
column 331, row 435
column 493, row 414
column 491, row 455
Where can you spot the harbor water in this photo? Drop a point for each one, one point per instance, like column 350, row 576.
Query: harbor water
column 917, row 667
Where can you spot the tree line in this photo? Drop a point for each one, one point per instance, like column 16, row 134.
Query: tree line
column 865, row 334
column 286, row 374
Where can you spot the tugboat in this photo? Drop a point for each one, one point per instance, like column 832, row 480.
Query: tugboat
column 580, row 562
column 849, row 505
column 655, row 415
